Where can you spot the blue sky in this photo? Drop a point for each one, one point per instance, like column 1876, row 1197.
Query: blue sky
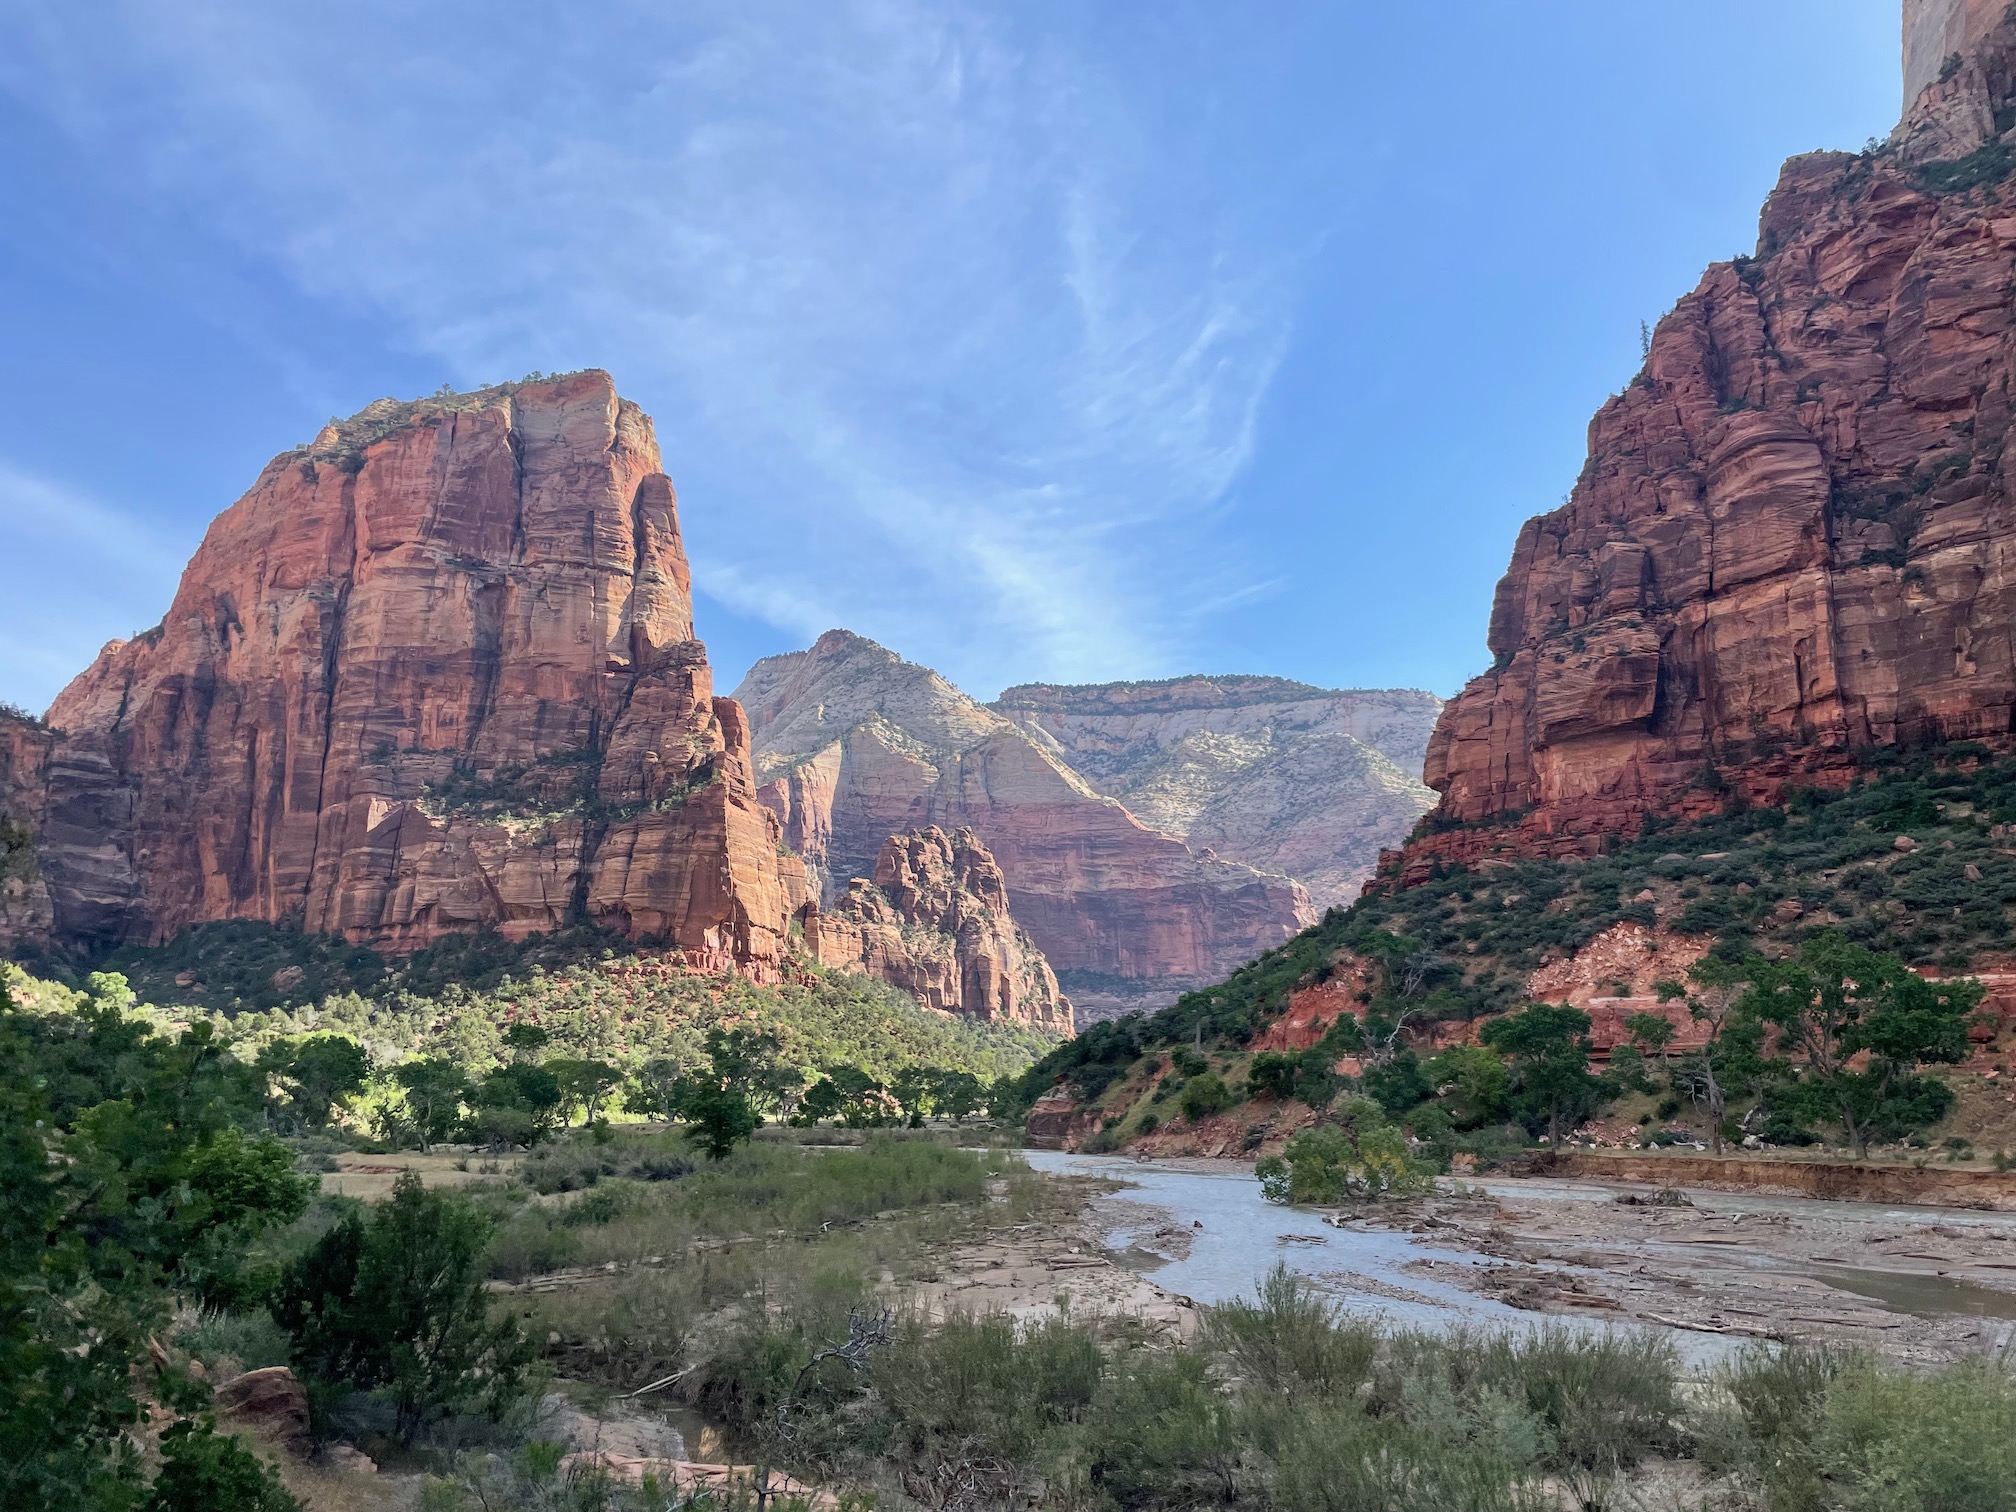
column 1035, row 339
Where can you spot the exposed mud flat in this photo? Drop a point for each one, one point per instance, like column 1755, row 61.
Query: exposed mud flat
column 1915, row 1284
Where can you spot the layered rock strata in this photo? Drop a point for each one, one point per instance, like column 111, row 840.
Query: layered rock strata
column 1794, row 535
column 434, row 672
column 27, row 915
column 934, row 921
column 854, row 744
column 1308, row 782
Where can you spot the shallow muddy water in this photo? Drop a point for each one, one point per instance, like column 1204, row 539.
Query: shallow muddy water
column 1924, row 1296
column 1717, row 1253
column 1241, row 1237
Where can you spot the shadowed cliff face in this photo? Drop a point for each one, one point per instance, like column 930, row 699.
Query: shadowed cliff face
column 934, row 921
column 1794, row 536
column 1308, row 782
column 854, row 744
column 434, row 672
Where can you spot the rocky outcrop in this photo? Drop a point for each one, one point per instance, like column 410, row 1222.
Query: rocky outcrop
column 934, row 921
column 434, row 672
column 854, row 744
column 27, row 916
column 1308, row 782
column 1794, row 536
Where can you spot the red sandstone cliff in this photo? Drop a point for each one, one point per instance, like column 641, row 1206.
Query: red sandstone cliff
column 27, row 916
column 1794, row 535
column 934, row 921
column 854, row 744
column 434, row 672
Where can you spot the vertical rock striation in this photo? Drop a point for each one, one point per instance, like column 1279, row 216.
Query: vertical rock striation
column 1794, row 536
column 854, row 744
column 934, row 921
column 27, row 915
column 434, row 672
column 1308, row 782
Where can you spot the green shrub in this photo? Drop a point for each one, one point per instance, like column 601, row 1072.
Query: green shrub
column 1205, row 1095
column 1894, row 1442
column 1362, row 1158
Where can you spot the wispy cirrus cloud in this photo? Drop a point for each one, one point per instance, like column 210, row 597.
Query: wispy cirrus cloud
column 74, row 564
column 940, row 344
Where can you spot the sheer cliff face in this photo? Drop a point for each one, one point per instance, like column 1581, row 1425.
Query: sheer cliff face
column 434, row 672
column 934, row 921
column 1309, row 782
column 1794, row 535
column 27, row 916
column 854, row 744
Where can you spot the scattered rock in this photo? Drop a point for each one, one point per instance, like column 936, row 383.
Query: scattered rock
column 1665, row 1197
column 272, row 1400
column 1904, row 843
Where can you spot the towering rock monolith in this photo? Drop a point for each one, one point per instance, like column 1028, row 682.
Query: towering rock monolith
column 435, row 672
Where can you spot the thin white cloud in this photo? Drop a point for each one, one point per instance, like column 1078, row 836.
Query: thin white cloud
column 939, row 345
column 79, row 571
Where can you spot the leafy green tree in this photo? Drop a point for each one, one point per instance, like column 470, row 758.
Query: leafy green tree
column 720, row 1116
column 1205, row 1095
column 395, row 1302
column 1272, row 1073
column 1547, row 1046
column 435, row 1090
column 129, row 1183
column 750, row 1061
column 656, row 1089
column 1730, row 1056
column 203, row 1470
column 915, row 1089
column 515, row 1104
column 584, row 1084
column 1835, row 1000
column 1398, row 1083
column 1361, row 1157
column 525, row 1041
column 319, row 1074
column 958, row 1094
column 1474, row 1084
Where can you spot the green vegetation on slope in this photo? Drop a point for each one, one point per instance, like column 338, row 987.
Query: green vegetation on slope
column 598, row 995
column 1762, row 879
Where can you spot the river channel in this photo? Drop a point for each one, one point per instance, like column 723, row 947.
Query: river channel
column 1235, row 1237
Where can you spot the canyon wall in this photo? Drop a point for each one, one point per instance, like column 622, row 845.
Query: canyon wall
column 434, row 672
column 27, row 914
column 1794, row 536
column 853, row 744
column 1938, row 31
column 934, row 920
column 1308, row 782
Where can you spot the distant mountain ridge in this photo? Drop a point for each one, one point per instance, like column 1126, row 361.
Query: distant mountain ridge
column 854, row 744
column 1286, row 777
column 1152, row 835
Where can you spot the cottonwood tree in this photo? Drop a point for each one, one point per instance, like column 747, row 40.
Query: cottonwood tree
column 1729, row 1056
column 1547, row 1048
column 1835, row 1000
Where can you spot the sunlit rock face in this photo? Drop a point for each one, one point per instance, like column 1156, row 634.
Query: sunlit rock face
column 854, row 744
column 934, row 921
column 434, row 672
column 1794, row 535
